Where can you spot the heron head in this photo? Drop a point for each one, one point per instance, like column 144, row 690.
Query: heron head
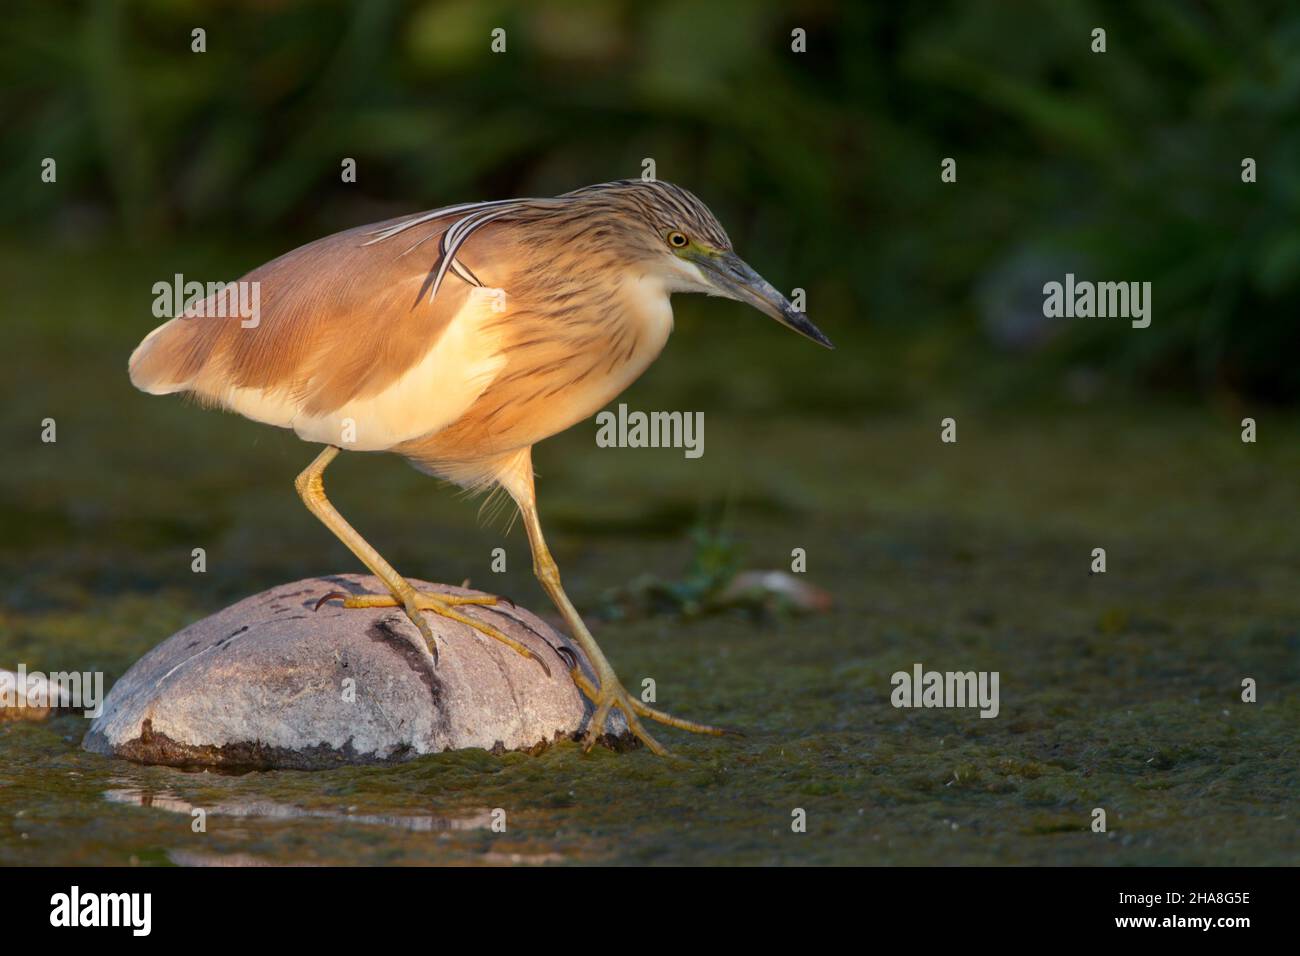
column 682, row 241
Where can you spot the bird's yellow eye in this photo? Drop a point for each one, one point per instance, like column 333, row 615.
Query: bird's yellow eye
column 678, row 240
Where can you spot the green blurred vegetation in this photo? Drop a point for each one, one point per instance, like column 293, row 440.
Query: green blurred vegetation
column 823, row 165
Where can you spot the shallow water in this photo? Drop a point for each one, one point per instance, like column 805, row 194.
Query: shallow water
column 1118, row 691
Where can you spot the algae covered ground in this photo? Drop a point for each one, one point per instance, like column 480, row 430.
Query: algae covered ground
column 1119, row 691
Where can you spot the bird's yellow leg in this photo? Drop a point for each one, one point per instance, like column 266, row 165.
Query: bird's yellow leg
column 644, row 710
column 311, row 488
column 611, row 692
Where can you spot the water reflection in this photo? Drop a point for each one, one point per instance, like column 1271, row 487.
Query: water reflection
column 271, row 810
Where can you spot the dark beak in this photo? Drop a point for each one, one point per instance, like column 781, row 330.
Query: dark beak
column 729, row 274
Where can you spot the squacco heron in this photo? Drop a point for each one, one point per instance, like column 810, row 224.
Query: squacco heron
column 459, row 338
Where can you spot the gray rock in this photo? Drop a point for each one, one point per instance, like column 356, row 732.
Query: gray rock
column 264, row 684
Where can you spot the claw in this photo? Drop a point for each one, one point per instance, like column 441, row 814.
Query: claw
column 330, row 597
column 493, row 633
column 421, row 625
column 570, row 658
column 546, row 670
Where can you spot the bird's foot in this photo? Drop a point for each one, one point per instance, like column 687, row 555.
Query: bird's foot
column 612, row 693
column 444, row 605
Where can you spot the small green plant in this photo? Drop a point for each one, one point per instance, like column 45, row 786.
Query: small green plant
column 713, row 584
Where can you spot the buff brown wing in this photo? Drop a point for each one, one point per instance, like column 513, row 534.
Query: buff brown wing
column 339, row 320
